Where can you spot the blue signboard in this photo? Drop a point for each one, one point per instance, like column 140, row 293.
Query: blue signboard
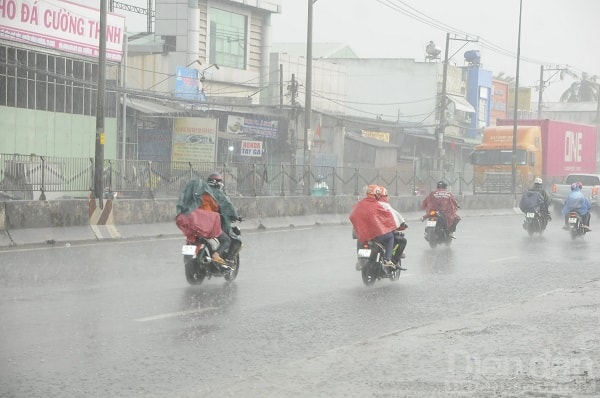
column 188, row 85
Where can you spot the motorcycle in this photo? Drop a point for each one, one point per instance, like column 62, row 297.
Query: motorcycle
column 436, row 229
column 370, row 261
column 575, row 223
column 534, row 222
column 198, row 262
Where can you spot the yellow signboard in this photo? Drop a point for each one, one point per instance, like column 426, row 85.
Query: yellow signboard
column 377, row 135
column 194, row 139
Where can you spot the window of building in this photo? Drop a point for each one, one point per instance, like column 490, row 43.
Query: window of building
column 228, row 38
column 35, row 80
column 483, row 105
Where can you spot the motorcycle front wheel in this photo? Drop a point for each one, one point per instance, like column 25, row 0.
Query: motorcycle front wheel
column 194, row 273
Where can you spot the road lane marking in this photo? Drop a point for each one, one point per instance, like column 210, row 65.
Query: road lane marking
column 496, row 260
column 548, row 293
column 174, row 314
column 291, row 229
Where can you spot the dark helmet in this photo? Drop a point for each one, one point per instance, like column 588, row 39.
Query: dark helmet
column 442, row 184
column 215, row 180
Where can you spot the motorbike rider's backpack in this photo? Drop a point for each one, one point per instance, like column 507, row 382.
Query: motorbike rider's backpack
column 531, row 201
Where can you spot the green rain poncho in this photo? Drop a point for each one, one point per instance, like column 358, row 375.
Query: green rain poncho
column 191, row 198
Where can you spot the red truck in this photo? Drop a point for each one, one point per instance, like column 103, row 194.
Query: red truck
column 546, row 148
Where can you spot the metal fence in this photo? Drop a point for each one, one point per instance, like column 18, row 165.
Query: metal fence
column 32, row 176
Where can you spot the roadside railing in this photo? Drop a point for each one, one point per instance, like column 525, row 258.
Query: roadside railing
column 41, row 177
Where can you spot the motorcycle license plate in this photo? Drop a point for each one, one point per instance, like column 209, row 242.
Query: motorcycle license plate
column 364, row 253
column 431, row 223
column 572, row 220
column 530, row 215
column 188, row 250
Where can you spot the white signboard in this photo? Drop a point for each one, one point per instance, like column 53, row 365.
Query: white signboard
column 252, row 148
column 61, row 25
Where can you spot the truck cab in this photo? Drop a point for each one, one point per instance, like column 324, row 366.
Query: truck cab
column 492, row 160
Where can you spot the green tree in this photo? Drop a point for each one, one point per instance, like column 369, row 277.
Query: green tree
column 586, row 89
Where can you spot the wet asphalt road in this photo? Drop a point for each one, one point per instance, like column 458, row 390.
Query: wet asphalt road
column 119, row 319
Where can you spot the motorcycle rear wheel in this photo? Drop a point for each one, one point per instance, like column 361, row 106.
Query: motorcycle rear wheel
column 361, row 263
column 368, row 274
column 235, row 265
column 194, row 273
column 395, row 274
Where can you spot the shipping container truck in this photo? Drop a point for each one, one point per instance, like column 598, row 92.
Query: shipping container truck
column 545, row 148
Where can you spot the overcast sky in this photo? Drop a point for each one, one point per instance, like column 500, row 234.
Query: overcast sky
column 553, row 32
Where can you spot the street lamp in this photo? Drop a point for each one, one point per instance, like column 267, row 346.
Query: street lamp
column 230, row 149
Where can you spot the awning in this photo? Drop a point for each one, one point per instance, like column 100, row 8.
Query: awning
column 461, row 104
column 150, row 107
column 234, row 137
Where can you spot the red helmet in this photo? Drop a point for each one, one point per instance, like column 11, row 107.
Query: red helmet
column 374, row 190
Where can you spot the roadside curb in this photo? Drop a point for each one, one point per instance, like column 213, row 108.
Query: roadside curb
column 65, row 236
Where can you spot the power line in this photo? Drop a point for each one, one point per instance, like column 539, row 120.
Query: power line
column 404, row 8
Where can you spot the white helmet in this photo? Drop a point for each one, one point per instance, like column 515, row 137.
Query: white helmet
column 537, row 180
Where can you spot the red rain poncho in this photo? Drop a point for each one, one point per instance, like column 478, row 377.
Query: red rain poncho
column 444, row 201
column 203, row 223
column 370, row 219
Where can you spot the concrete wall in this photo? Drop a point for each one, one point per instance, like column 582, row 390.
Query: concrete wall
column 68, row 213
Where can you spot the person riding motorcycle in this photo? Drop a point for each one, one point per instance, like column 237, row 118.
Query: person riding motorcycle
column 372, row 221
column 576, row 201
column 400, row 226
column 441, row 199
column 534, row 197
column 214, row 199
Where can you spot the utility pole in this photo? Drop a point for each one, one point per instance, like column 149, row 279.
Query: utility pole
column 441, row 128
column 99, row 154
column 543, row 69
column 442, row 125
column 293, row 90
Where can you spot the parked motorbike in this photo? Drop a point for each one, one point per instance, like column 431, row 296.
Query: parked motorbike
column 436, row 229
column 370, row 262
column 575, row 223
column 534, row 222
column 198, row 262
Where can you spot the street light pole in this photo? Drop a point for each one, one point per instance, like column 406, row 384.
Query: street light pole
column 308, row 83
column 515, row 111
